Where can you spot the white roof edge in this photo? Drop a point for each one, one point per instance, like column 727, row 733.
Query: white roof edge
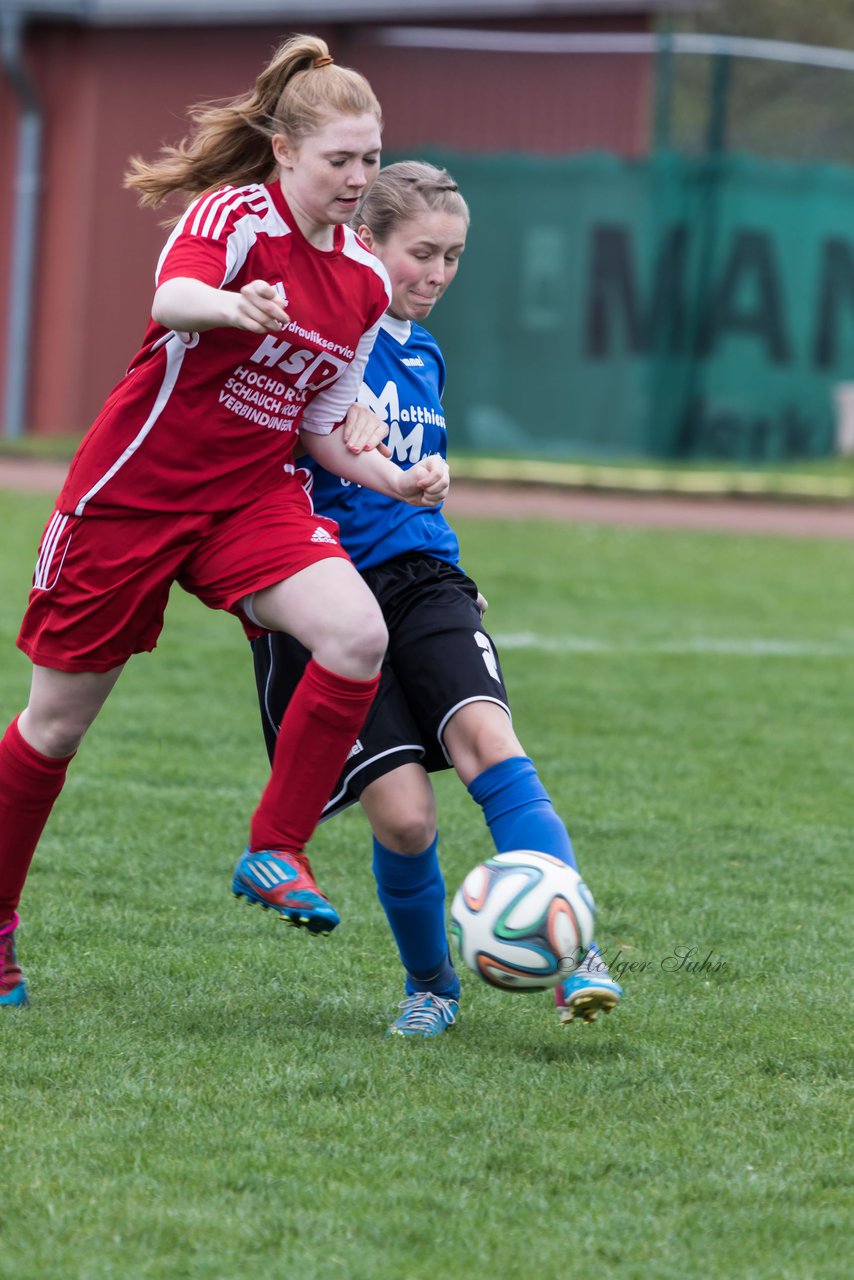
column 636, row 42
column 298, row 12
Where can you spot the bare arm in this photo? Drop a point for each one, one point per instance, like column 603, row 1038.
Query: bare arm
column 424, row 485
column 189, row 306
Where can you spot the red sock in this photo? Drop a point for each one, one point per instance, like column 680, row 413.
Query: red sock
column 29, row 785
column 319, row 727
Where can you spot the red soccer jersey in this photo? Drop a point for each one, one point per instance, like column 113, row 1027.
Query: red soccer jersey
column 206, row 421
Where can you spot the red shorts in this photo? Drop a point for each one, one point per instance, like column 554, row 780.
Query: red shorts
column 101, row 582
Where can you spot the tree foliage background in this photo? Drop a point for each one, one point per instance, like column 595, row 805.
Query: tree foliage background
column 778, row 109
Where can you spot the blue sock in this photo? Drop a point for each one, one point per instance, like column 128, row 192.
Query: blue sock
column 518, row 810
column 412, row 893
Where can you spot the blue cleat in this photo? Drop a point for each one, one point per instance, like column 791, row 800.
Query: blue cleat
column 283, row 882
column 13, row 988
column 588, row 990
column 425, row 1016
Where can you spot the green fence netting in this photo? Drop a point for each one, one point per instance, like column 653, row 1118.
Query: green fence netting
column 674, row 307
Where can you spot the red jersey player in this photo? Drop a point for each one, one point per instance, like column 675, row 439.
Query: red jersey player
column 264, row 315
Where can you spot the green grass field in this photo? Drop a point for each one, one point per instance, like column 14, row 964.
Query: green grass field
column 197, row 1091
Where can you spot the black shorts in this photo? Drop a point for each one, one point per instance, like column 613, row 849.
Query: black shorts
column 439, row 658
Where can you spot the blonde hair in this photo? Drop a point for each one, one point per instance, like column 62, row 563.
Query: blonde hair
column 404, row 190
column 229, row 143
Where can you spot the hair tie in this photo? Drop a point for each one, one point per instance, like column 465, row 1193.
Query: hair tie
column 323, row 61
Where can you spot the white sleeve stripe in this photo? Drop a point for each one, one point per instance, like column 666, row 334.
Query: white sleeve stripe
column 243, row 235
column 225, row 212
column 214, row 233
column 230, row 199
column 198, row 211
column 207, row 208
column 174, row 359
column 209, row 215
column 252, row 206
column 217, row 215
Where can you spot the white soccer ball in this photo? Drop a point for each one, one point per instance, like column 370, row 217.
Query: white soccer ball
column 523, row 920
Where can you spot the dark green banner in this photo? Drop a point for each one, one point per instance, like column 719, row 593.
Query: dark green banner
column 672, row 307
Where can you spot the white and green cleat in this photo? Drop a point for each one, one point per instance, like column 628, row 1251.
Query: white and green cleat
column 588, row 991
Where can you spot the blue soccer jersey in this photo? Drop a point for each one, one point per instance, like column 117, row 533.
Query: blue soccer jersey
column 403, row 384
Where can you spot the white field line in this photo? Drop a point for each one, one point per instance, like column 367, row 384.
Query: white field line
column 689, row 647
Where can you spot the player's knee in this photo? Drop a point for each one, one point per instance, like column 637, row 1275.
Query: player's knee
column 373, row 639
column 357, row 648
column 476, row 743
column 55, row 735
column 410, row 833
column 491, row 748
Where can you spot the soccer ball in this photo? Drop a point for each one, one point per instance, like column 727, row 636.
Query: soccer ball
column 523, row 921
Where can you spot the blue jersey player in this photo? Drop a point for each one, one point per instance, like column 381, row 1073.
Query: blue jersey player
column 442, row 701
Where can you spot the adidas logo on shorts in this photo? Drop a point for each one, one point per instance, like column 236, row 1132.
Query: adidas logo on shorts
column 320, row 535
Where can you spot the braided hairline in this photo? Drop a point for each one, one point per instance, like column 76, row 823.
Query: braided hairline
column 399, row 195
column 432, row 184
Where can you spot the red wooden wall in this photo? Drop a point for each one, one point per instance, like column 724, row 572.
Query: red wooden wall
column 109, row 93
